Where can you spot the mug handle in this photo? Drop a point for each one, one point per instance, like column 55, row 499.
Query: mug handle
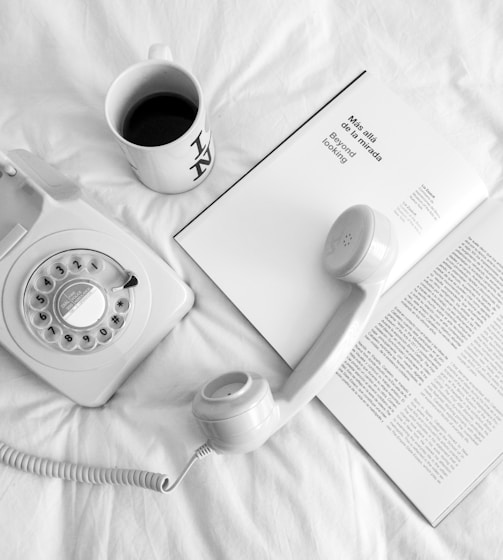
column 159, row 51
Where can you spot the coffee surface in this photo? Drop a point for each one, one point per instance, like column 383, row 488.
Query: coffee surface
column 158, row 119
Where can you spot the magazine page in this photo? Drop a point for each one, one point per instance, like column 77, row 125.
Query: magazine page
column 422, row 391
column 262, row 241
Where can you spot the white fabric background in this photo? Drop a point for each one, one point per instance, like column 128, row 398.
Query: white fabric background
column 264, row 67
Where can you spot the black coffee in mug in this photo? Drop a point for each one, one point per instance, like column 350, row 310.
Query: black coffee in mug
column 158, row 119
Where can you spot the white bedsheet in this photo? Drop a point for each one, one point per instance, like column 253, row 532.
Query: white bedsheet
column 265, row 67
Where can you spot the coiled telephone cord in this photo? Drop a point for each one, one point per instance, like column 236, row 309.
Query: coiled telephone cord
column 95, row 475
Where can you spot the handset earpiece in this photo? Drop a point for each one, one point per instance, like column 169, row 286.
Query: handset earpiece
column 237, row 411
column 360, row 246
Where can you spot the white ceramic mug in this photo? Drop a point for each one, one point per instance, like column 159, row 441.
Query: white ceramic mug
column 178, row 165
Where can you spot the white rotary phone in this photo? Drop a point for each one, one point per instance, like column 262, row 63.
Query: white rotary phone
column 236, row 411
column 83, row 301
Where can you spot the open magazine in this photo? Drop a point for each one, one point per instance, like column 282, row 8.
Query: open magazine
column 420, row 391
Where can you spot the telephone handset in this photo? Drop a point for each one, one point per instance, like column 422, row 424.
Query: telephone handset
column 237, row 411
column 83, row 300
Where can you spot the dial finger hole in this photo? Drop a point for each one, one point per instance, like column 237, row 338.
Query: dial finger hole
column 38, row 301
column 68, row 341
column 87, row 341
column 95, row 265
column 76, row 264
column 42, row 319
column 45, row 284
column 116, row 321
column 58, row 270
column 51, row 333
column 104, row 335
column 122, row 305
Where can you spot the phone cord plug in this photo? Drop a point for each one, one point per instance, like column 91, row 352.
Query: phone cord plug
column 95, row 475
